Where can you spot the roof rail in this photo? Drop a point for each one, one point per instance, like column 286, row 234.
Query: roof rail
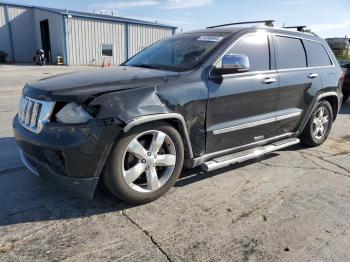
column 268, row 23
column 299, row 28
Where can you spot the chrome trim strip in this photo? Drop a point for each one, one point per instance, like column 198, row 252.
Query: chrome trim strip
column 243, row 126
column 256, row 123
column 27, row 164
column 199, row 160
column 291, row 115
column 149, row 118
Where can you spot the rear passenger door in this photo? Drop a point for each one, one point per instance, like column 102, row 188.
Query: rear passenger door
column 319, row 59
column 298, row 83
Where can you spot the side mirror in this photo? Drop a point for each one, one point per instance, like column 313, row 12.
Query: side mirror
column 233, row 63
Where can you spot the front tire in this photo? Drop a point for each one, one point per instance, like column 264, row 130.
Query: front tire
column 145, row 163
column 319, row 125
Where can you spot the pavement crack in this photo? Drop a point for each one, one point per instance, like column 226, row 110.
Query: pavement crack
column 292, row 167
column 154, row 242
column 329, row 162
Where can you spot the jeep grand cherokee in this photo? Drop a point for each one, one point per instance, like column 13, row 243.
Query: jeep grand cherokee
column 206, row 98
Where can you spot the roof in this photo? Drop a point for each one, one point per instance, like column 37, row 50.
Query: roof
column 92, row 15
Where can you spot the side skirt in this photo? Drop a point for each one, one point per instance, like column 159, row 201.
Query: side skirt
column 238, row 157
column 199, row 160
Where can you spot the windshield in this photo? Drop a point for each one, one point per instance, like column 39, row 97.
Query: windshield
column 178, row 53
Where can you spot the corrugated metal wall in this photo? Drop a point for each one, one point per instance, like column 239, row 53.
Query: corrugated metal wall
column 55, row 29
column 25, row 31
column 85, row 39
column 85, row 36
column 21, row 19
column 141, row 36
column 21, row 24
column 5, row 44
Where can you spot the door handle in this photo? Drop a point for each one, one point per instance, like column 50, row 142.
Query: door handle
column 312, row 75
column 269, row 80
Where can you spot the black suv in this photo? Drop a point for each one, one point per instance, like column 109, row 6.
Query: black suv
column 207, row 98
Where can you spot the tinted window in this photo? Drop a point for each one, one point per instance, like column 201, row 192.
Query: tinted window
column 290, row 53
column 256, row 48
column 107, row 50
column 316, row 54
column 178, row 53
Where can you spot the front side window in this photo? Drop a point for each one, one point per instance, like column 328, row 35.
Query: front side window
column 107, row 50
column 256, row 48
column 178, row 53
column 316, row 54
column 290, row 53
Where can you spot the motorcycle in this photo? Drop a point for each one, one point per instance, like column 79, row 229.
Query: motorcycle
column 39, row 58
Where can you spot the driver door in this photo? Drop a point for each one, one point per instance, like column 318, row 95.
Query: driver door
column 241, row 105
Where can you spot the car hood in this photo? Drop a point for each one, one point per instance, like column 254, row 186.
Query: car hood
column 94, row 81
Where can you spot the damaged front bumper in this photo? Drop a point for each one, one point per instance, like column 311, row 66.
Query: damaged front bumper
column 71, row 156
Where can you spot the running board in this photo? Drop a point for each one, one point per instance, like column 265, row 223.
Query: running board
column 227, row 160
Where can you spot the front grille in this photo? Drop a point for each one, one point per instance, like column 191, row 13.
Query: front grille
column 33, row 113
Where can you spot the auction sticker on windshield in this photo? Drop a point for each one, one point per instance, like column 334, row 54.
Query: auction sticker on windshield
column 211, row 38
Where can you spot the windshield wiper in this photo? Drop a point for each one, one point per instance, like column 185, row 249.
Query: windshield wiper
column 147, row 66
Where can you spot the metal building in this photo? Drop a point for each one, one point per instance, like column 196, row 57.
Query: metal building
column 80, row 38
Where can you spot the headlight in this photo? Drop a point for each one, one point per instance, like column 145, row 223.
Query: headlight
column 72, row 113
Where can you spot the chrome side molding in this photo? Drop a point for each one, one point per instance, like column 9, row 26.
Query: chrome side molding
column 256, row 123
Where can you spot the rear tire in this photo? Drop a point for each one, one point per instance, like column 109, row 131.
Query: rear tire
column 345, row 97
column 145, row 163
column 319, row 125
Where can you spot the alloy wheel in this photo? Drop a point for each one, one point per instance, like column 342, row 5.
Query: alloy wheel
column 149, row 161
column 320, row 123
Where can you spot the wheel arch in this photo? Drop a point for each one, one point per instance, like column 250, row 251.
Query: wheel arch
column 332, row 97
column 334, row 102
column 174, row 119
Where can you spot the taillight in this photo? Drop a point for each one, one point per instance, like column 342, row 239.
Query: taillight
column 342, row 76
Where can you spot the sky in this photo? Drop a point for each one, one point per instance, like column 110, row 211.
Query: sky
column 327, row 18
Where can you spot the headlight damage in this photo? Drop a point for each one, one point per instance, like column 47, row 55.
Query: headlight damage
column 72, row 113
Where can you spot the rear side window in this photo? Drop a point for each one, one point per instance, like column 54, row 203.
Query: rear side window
column 256, row 48
column 290, row 53
column 316, row 54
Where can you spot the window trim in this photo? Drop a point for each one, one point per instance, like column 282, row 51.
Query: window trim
column 325, row 49
column 303, row 38
column 272, row 70
column 304, row 49
column 107, row 55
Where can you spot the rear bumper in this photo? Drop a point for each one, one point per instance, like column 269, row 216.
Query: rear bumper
column 72, row 156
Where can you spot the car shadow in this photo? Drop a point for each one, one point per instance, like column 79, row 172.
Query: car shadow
column 345, row 108
column 25, row 197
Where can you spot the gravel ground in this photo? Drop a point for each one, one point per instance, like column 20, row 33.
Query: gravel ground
column 292, row 205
